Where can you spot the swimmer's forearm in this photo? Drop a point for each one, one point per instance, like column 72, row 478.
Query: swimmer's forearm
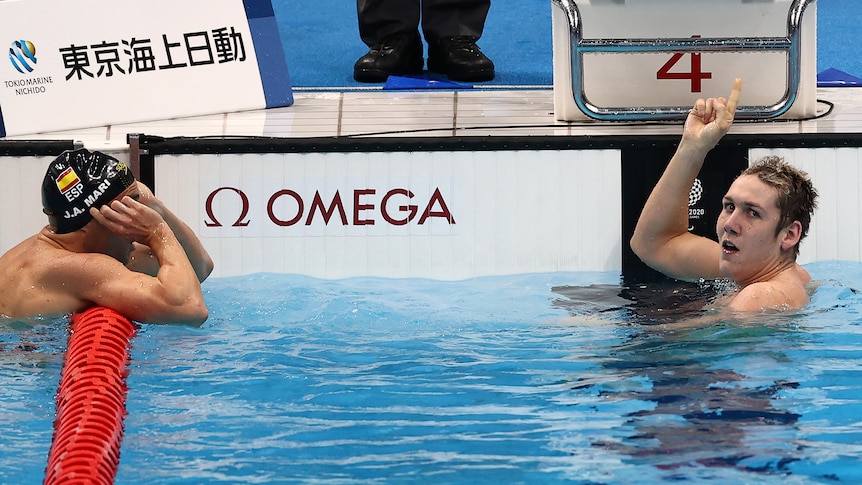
column 195, row 252
column 665, row 213
column 182, row 290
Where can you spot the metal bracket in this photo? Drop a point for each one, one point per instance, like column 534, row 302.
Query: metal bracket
column 791, row 44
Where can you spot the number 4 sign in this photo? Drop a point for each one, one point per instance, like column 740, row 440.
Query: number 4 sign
column 639, row 59
column 695, row 73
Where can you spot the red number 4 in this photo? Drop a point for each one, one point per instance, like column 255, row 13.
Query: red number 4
column 695, row 74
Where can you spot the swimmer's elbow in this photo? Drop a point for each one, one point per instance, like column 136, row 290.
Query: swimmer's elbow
column 202, row 315
column 640, row 240
column 195, row 313
column 641, row 246
column 196, row 322
column 635, row 244
column 205, row 269
column 657, row 256
column 192, row 312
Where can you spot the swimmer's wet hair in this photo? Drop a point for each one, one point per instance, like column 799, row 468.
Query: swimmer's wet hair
column 77, row 180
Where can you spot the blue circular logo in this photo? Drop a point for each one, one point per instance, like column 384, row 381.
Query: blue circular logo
column 23, row 55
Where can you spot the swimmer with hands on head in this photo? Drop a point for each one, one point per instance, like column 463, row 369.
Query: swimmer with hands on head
column 765, row 213
column 109, row 242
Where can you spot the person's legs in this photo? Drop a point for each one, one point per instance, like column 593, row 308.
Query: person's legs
column 390, row 28
column 453, row 18
column 379, row 19
column 451, row 28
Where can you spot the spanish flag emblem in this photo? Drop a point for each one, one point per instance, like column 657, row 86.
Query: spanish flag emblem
column 67, row 180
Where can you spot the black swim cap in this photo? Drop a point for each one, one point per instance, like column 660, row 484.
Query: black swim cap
column 78, row 180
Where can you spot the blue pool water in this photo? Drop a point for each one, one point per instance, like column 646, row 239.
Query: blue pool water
column 548, row 378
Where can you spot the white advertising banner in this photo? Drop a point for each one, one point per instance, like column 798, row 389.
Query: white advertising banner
column 76, row 63
column 441, row 215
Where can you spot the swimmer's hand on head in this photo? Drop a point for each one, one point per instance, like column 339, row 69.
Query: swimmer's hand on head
column 174, row 284
column 143, row 217
column 131, row 220
column 144, row 261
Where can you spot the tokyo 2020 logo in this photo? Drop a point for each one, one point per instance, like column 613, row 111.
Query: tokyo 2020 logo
column 22, row 54
column 696, row 192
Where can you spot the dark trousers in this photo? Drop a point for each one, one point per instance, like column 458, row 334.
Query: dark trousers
column 440, row 18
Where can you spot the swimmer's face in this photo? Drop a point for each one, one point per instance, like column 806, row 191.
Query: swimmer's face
column 746, row 230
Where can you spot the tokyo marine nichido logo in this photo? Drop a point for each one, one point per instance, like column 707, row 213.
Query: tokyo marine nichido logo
column 22, row 54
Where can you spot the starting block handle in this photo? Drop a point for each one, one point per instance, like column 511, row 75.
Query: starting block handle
column 791, row 44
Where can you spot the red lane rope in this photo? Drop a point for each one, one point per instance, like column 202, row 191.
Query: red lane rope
column 91, row 400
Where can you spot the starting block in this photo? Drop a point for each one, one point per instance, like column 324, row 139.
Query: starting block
column 620, row 60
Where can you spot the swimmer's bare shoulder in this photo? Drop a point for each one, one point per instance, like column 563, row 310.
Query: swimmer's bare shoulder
column 15, row 276
column 87, row 279
column 38, row 278
column 788, row 290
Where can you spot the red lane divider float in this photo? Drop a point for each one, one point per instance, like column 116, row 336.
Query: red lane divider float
column 91, row 400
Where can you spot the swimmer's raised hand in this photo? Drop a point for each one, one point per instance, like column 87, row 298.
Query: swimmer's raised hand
column 710, row 119
column 130, row 220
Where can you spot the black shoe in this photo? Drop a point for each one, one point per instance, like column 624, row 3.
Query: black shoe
column 395, row 55
column 460, row 59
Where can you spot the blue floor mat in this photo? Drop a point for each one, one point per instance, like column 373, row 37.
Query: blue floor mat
column 322, row 42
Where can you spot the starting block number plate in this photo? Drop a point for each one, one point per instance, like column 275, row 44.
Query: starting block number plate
column 661, row 78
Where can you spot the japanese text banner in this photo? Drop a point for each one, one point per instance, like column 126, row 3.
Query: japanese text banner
column 77, row 64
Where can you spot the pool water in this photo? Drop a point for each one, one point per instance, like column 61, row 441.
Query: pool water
column 546, row 378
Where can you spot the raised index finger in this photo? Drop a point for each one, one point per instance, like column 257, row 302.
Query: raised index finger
column 733, row 100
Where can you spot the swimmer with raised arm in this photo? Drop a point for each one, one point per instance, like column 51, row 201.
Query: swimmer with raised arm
column 765, row 213
column 109, row 242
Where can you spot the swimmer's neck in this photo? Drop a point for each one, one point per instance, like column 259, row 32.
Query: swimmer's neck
column 786, row 271
column 81, row 241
